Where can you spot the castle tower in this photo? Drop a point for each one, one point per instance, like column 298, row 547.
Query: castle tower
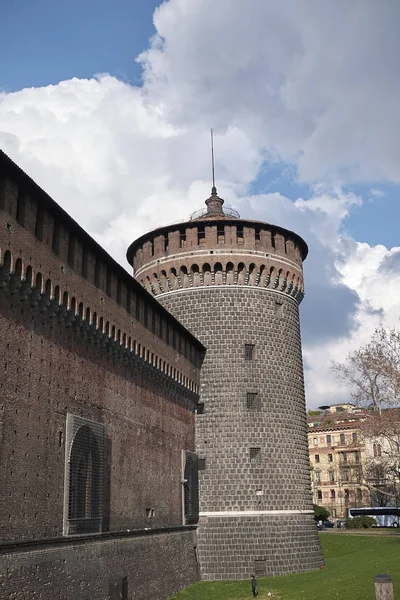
column 236, row 285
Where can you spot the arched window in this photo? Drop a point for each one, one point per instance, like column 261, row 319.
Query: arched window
column 85, row 475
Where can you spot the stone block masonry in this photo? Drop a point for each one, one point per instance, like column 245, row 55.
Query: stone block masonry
column 255, row 500
column 157, row 565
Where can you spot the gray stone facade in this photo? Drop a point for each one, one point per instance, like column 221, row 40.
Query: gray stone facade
column 255, row 496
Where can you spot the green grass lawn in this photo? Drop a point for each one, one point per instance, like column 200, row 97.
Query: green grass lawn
column 351, row 564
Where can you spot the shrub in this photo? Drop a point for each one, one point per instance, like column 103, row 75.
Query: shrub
column 320, row 513
column 360, row 523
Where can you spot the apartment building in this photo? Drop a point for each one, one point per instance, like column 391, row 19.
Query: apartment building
column 337, row 456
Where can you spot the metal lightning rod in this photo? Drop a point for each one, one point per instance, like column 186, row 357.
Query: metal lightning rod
column 214, row 189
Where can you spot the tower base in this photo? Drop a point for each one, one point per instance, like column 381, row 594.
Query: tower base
column 264, row 545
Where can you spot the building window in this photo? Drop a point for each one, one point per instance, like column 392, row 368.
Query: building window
column 249, row 351
column 355, row 437
column 342, row 438
column 315, row 441
column 200, row 408
column 330, row 457
column 201, row 462
column 333, row 494
column 239, row 231
column 190, row 479
column 85, row 442
column 345, row 475
column 273, row 240
column 356, row 456
column 255, row 455
column 344, row 457
column 329, row 439
column 331, row 476
column 257, row 234
column 316, row 458
column 317, row 476
column 319, row 495
column 377, row 450
column 334, row 513
column 253, row 401
column 183, row 239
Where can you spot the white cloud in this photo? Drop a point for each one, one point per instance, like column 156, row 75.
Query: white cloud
column 316, row 81
column 310, row 83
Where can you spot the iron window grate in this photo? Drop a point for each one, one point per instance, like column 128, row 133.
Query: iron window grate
column 255, row 455
column 253, row 401
column 249, row 351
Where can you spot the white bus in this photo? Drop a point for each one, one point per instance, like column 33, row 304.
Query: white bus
column 385, row 516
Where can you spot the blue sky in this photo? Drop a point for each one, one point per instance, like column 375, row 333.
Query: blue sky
column 48, row 41
column 54, row 41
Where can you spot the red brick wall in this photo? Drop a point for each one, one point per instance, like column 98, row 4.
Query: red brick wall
column 136, row 372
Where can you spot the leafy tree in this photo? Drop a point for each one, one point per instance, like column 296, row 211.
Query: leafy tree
column 320, row 513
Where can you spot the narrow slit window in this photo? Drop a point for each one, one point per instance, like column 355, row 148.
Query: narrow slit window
column 249, row 351
column 183, row 239
column 240, row 236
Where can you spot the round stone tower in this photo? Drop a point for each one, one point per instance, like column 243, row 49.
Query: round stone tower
column 236, row 285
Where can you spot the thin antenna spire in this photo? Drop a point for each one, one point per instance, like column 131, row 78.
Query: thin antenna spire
column 213, row 189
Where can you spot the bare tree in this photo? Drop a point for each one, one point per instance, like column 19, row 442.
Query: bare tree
column 373, row 371
column 381, row 433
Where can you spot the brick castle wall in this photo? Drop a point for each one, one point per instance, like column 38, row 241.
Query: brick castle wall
column 157, row 567
column 48, row 369
column 256, row 457
column 80, row 336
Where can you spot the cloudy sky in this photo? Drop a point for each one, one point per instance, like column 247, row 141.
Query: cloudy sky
column 108, row 106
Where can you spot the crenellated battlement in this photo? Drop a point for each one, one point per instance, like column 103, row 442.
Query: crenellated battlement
column 209, row 252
